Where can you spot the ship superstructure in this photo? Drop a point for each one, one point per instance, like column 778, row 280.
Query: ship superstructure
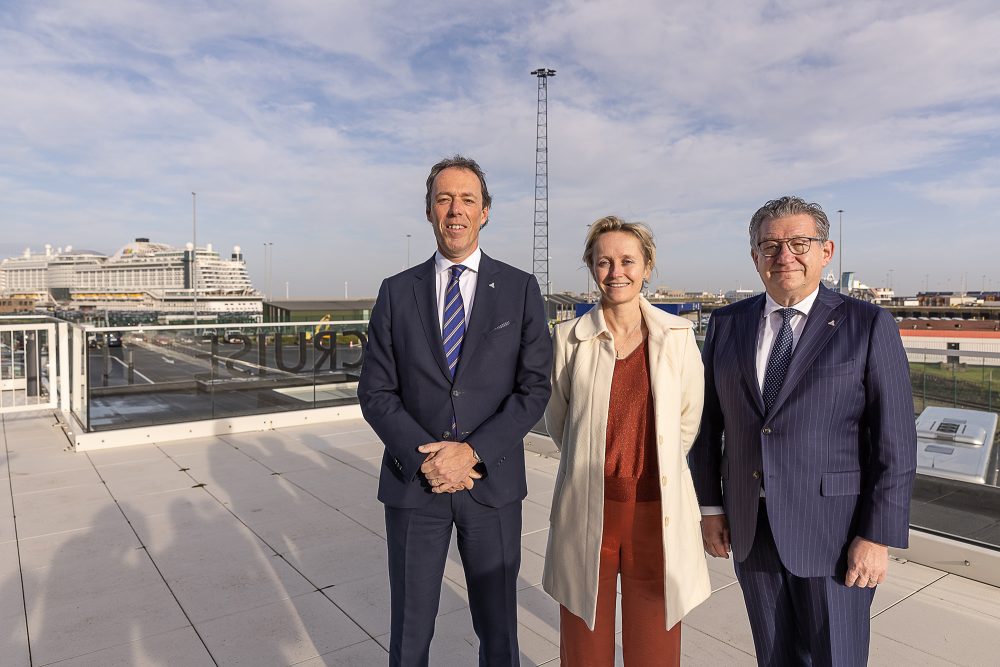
column 140, row 276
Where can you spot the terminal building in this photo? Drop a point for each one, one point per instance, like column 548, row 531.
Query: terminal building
column 141, row 277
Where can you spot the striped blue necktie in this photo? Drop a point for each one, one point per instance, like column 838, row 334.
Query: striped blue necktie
column 453, row 329
column 781, row 357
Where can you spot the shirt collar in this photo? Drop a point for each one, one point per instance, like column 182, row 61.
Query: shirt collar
column 803, row 306
column 471, row 262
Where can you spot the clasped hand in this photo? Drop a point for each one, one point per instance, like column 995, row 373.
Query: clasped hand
column 448, row 466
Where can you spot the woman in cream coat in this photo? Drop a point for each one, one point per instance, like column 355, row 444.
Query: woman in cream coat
column 633, row 513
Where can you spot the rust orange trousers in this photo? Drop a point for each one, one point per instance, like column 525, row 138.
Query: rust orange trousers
column 632, row 546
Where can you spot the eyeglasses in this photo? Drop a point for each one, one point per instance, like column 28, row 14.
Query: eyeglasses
column 797, row 246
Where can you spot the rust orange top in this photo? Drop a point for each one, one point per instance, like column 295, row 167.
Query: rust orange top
column 630, row 471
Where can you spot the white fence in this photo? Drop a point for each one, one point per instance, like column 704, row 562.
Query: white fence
column 29, row 358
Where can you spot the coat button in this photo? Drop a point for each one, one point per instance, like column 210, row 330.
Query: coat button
column 659, row 439
column 663, row 480
column 756, row 474
column 666, row 521
column 766, row 430
column 456, row 393
column 446, row 435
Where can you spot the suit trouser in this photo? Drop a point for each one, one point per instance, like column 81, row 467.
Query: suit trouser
column 489, row 543
column 801, row 620
column 632, row 545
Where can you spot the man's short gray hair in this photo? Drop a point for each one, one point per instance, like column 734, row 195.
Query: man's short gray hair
column 784, row 207
column 458, row 162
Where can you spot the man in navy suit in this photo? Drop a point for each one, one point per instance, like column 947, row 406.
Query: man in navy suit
column 810, row 390
column 455, row 374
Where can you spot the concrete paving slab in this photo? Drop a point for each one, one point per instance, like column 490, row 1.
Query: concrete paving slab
column 723, row 617
column 887, row 652
column 61, row 510
column 278, row 454
column 338, row 487
column 721, row 565
column 146, row 478
column 540, row 482
column 720, row 581
column 365, row 654
column 354, row 452
column 47, row 460
column 903, row 580
column 946, row 621
column 204, row 528
column 535, row 541
column 530, row 573
column 966, row 593
column 539, row 462
column 286, row 632
column 90, row 546
column 23, row 483
column 215, row 586
column 177, row 647
column 534, row 517
column 702, row 650
column 536, row 610
column 110, row 457
column 13, row 623
column 221, row 570
column 156, row 504
column 369, row 513
column 366, row 601
column 303, row 526
column 332, row 564
column 7, row 530
column 71, row 615
column 535, row 649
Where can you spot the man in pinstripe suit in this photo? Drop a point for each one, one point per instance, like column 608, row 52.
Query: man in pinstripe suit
column 810, row 390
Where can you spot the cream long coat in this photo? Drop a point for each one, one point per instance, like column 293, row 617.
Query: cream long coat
column 576, row 418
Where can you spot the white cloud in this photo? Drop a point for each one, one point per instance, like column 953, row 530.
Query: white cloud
column 312, row 125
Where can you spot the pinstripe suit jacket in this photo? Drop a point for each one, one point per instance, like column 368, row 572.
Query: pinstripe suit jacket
column 836, row 453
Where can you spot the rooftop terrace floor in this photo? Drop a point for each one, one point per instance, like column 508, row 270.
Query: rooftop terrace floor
column 269, row 549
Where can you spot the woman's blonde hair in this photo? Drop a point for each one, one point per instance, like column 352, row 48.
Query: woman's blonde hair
column 611, row 223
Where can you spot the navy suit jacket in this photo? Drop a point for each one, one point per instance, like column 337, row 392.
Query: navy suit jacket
column 500, row 389
column 836, row 453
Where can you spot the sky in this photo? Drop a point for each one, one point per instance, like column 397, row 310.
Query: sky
column 311, row 125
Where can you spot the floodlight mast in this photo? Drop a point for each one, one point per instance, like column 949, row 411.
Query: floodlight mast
column 540, row 257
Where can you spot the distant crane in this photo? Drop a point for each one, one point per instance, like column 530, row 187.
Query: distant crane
column 540, row 261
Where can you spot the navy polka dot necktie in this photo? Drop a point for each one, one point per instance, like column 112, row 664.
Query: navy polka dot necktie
column 781, row 357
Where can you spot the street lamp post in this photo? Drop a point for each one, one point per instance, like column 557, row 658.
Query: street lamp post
column 194, row 256
column 268, row 254
column 840, row 270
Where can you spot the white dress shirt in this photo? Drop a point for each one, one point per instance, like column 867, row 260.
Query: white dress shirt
column 770, row 324
column 466, row 282
column 767, row 331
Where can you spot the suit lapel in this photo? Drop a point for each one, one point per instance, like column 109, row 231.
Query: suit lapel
column 487, row 289
column 822, row 323
column 746, row 348
column 425, row 295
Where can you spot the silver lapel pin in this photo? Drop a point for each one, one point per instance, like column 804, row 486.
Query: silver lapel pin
column 832, row 322
column 493, row 285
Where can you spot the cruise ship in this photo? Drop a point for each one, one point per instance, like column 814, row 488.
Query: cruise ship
column 142, row 276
